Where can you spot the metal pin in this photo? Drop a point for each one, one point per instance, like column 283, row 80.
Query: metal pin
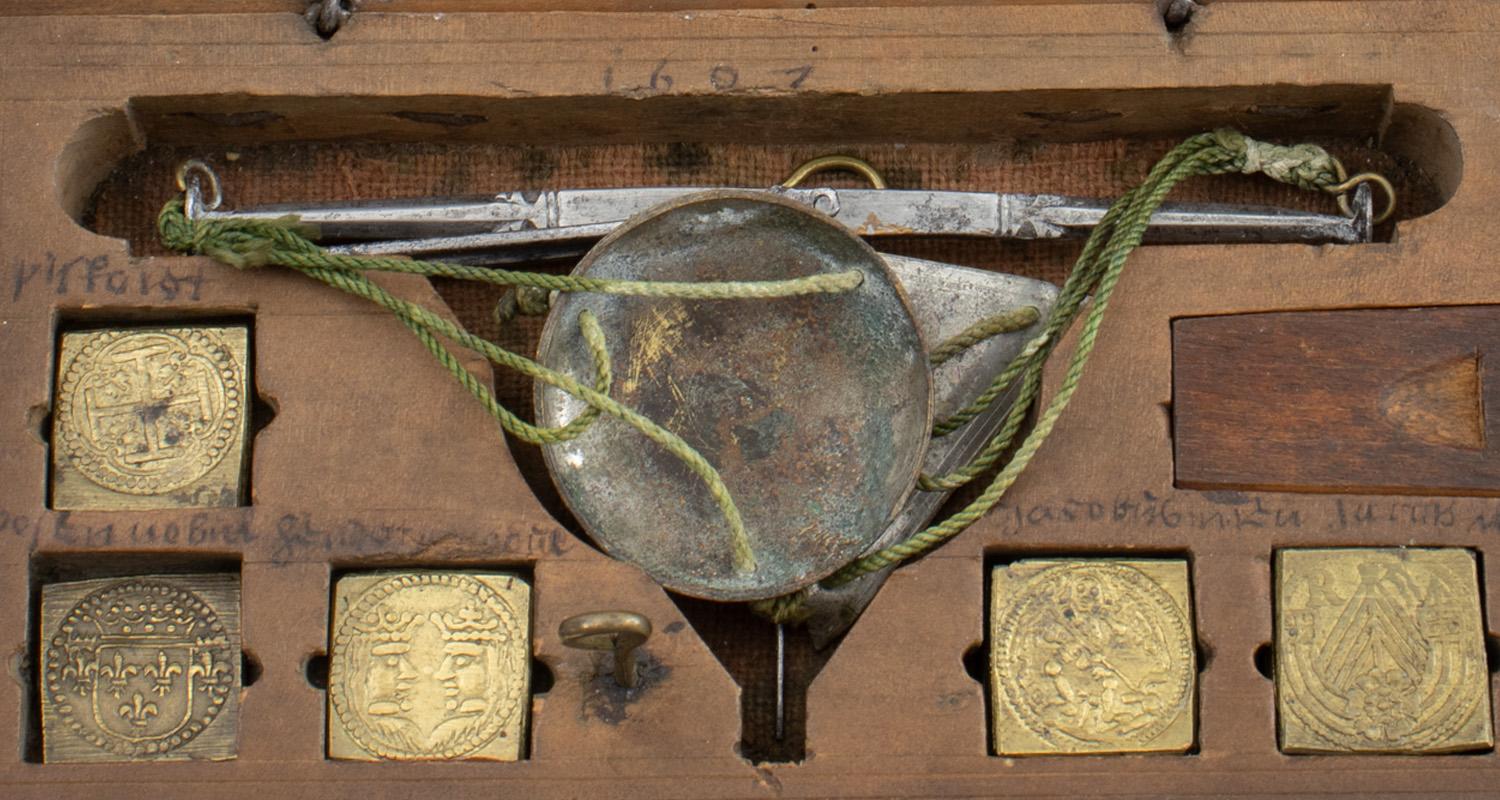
column 620, row 631
column 780, row 681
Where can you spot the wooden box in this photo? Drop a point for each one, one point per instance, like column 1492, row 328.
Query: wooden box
column 366, row 455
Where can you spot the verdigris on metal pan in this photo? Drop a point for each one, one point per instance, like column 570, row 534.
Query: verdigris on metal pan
column 816, row 410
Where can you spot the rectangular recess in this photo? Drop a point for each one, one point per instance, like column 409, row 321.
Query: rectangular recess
column 1363, row 401
column 50, row 568
column 684, row 106
column 255, row 413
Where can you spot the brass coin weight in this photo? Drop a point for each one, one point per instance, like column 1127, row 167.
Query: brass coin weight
column 1380, row 650
column 141, row 669
column 1092, row 656
column 149, row 418
column 429, row 666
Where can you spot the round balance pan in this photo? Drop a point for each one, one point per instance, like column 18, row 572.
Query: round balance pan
column 815, row 409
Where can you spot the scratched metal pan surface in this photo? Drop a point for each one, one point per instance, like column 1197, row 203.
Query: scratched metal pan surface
column 814, row 409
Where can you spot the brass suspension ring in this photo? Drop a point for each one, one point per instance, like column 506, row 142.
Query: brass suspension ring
column 1347, row 184
column 828, row 163
column 208, row 178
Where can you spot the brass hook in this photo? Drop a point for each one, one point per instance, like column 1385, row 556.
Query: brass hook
column 620, row 631
column 826, row 163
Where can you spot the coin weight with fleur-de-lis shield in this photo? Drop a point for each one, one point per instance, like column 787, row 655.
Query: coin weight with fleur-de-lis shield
column 141, row 668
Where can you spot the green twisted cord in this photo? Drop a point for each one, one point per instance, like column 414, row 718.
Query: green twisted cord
column 282, row 242
column 1097, row 272
column 1018, row 319
column 248, row 243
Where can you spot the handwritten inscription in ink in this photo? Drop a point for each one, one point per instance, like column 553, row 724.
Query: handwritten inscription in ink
column 297, row 536
column 665, row 77
column 300, row 536
column 200, row 530
column 1146, row 509
column 97, row 276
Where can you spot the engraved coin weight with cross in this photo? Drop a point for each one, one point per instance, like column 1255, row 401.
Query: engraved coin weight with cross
column 151, row 417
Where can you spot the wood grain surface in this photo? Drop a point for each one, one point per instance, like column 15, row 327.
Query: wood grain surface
column 1375, row 400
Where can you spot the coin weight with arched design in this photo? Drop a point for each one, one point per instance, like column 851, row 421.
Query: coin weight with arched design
column 1092, row 656
column 150, row 418
column 429, row 666
column 141, row 669
column 1381, row 651
column 814, row 409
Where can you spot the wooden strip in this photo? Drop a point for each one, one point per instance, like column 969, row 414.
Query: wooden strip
column 1373, row 400
column 113, row 7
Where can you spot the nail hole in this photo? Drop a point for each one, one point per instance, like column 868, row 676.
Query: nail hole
column 1206, row 656
column 328, row 16
column 316, row 670
column 977, row 662
column 1492, row 651
column 1263, row 660
column 541, row 677
column 250, row 669
column 1176, row 14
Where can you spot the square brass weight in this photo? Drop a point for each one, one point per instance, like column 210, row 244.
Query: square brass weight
column 1380, row 651
column 143, row 668
column 429, row 666
column 1092, row 656
column 151, row 418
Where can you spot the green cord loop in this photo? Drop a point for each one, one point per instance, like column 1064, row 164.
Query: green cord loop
column 246, row 244
column 1095, row 273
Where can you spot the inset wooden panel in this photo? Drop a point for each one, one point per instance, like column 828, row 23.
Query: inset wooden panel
column 1368, row 400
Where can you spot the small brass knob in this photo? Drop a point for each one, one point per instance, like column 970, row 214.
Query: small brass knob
column 620, row 631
